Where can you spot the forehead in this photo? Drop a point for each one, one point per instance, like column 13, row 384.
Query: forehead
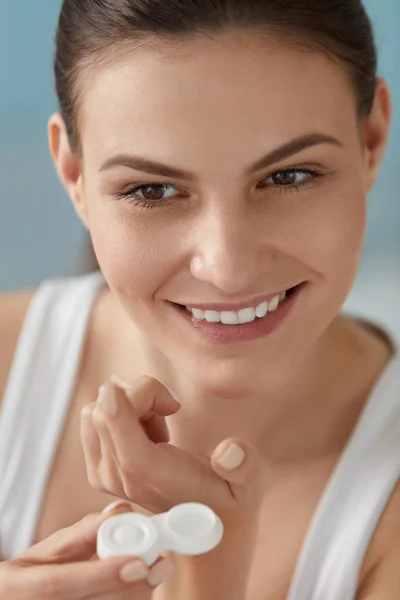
column 219, row 95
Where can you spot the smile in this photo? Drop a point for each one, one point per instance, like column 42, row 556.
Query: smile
column 245, row 324
column 241, row 317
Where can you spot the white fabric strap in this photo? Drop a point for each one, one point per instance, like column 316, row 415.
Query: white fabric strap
column 354, row 500
column 36, row 401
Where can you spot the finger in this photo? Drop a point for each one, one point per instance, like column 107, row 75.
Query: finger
column 158, row 573
column 119, row 427
column 117, row 507
column 77, row 542
column 152, row 402
column 102, row 470
column 155, row 476
column 131, row 593
column 243, row 468
column 109, row 476
column 84, row 580
column 90, row 444
column 128, row 448
column 148, row 396
column 157, row 430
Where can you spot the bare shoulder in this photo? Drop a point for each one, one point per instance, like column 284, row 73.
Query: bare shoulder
column 382, row 578
column 13, row 307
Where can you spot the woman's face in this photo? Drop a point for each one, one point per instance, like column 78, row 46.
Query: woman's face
column 240, row 221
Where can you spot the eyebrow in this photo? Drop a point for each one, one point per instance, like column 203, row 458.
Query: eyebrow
column 289, row 149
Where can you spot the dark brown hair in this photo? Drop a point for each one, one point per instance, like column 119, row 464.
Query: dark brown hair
column 90, row 32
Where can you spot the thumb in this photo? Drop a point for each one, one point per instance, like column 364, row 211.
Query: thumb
column 74, row 543
column 243, row 467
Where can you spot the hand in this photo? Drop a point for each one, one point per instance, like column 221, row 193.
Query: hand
column 63, row 567
column 125, row 441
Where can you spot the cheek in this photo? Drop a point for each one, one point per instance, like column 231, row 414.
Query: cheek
column 330, row 231
column 341, row 241
column 136, row 258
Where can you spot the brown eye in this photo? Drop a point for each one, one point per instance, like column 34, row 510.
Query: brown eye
column 153, row 192
column 293, row 179
column 285, row 177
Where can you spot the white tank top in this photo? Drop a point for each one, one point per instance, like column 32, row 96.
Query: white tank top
column 33, row 413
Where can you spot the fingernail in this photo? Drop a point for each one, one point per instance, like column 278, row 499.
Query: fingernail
column 160, row 572
column 133, row 571
column 107, row 400
column 127, row 387
column 232, row 458
column 115, row 505
column 175, row 396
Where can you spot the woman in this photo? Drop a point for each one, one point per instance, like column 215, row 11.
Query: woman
column 220, row 154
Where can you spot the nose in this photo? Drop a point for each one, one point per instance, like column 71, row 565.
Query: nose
column 231, row 253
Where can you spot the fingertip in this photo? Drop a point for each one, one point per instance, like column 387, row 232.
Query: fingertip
column 175, row 397
column 116, row 508
column 160, row 572
column 229, row 455
column 243, row 467
column 87, row 411
column 120, row 385
column 134, row 571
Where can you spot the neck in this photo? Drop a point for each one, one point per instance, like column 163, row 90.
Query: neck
column 312, row 416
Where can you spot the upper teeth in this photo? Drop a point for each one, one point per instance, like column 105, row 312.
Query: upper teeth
column 245, row 315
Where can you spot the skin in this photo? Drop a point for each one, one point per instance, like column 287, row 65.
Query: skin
column 62, row 567
column 213, row 108
column 226, row 240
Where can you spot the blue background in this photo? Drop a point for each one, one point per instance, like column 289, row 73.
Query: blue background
column 40, row 235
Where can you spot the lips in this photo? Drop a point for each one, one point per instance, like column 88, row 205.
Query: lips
column 223, row 332
column 237, row 306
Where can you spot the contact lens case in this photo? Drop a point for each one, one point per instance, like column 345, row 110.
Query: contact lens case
column 191, row 528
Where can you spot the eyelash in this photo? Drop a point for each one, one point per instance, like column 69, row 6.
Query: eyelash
column 131, row 197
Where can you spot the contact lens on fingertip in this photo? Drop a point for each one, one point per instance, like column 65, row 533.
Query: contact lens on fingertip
column 189, row 528
column 175, row 396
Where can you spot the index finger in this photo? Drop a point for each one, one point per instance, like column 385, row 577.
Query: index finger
column 77, row 542
column 147, row 396
column 82, row 580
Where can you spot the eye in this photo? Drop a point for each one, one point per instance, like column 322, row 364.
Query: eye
column 288, row 177
column 150, row 195
column 154, row 192
column 293, row 179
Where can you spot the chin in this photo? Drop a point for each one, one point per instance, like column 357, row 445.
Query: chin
column 229, row 380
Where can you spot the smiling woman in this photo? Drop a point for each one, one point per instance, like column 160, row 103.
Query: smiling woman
column 220, row 154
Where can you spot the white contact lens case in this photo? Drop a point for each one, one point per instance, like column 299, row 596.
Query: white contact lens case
column 189, row 528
